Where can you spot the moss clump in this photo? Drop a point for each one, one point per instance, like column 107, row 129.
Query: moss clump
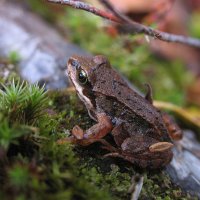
column 157, row 185
column 14, row 57
column 22, row 102
column 33, row 165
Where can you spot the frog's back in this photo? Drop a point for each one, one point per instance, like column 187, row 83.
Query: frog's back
column 119, row 95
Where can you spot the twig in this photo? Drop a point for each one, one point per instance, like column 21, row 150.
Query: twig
column 89, row 8
column 129, row 25
column 134, row 27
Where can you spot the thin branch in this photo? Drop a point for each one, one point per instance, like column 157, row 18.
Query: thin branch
column 119, row 15
column 87, row 7
column 128, row 24
column 133, row 27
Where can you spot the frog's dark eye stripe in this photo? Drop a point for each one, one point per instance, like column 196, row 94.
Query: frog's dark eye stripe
column 82, row 77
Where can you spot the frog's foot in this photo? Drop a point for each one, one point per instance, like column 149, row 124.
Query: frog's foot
column 91, row 135
column 70, row 139
column 113, row 154
column 74, row 140
column 78, row 132
column 108, row 146
column 118, row 154
column 175, row 132
column 160, row 147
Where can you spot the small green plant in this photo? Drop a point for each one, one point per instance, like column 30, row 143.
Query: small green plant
column 22, row 102
column 19, row 176
column 14, row 57
column 8, row 134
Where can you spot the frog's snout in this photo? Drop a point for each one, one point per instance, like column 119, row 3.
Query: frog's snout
column 73, row 63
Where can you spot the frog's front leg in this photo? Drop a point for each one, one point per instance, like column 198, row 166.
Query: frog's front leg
column 91, row 135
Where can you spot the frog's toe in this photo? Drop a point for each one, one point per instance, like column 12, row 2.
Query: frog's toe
column 77, row 132
column 107, row 145
column 111, row 148
column 160, row 146
column 70, row 139
column 113, row 154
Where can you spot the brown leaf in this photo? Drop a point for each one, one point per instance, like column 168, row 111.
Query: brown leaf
column 193, row 93
column 189, row 116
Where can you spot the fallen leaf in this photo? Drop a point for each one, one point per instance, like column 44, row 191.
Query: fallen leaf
column 191, row 117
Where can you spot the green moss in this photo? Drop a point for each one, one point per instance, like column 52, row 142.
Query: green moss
column 18, row 176
column 194, row 26
column 157, row 185
column 14, row 57
column 42, row 9
column 9, row 134
column 35, row 166
column 22, row 102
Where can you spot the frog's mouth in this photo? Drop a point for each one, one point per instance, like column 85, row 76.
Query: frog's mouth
column 82, row 90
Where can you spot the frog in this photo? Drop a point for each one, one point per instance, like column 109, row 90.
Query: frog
column 142, row 134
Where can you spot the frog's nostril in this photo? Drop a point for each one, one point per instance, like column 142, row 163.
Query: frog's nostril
column 73, row 62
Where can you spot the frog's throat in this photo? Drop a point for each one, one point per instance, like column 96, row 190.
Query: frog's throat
column 83, row 98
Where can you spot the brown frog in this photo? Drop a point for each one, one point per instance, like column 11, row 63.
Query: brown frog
column 141, row 132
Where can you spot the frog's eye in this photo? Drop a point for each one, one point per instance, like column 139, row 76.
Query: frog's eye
column 82, row 77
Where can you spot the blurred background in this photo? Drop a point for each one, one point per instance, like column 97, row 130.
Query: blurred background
column 172, row 69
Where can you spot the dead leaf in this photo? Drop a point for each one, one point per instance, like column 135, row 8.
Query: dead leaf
column 189, row 116
column 193, row 93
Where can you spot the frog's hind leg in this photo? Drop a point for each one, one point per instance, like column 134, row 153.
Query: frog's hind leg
column 107, row 146
column 145, row 151
column 120, row 155
column 175, row 132
column 151, row 163
column 119, row 134
column 123, row 157
column 113, row 154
